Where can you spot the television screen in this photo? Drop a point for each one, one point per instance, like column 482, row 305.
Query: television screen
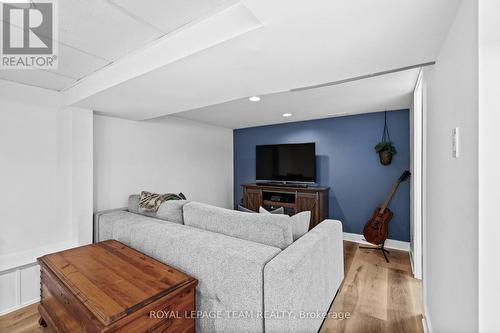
column 287, row 162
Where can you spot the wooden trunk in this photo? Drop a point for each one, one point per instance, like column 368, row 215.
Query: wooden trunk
column 109, row 287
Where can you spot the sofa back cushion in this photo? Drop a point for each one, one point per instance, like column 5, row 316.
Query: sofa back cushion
column 270, row 229
column 170, row 210
column 133, row 203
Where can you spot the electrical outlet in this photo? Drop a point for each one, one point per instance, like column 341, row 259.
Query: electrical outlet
column 455, row 142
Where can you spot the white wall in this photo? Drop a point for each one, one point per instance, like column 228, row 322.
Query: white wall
column 82, row 167
column 163, row 155
column 489, row 164
column 75, row 172
column 29, row 150
column 451, row 184
column 46, row 174
column 44, row 151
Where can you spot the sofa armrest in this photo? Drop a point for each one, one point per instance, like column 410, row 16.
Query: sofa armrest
column 303, row 280
column 97, row 216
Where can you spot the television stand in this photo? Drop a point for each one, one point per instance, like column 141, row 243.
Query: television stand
column 294, row 198
column 283, row 184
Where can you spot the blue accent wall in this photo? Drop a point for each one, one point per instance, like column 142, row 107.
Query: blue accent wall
column 345, row 161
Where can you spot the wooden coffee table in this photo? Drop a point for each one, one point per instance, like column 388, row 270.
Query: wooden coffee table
column 109, row 287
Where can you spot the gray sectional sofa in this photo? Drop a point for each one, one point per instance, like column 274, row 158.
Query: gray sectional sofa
column 278, row 285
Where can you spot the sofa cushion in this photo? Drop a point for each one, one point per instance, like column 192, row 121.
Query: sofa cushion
column 133, row 203
column 270, row 229
column 171, row 210
column 123, row 219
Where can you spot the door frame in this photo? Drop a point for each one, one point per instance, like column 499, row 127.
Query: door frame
column 417, row 138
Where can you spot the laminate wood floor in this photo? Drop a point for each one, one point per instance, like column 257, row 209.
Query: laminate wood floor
column 379, row 297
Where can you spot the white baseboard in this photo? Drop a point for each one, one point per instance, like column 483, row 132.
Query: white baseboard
column 411, row 263
column 20, row 306
column 16, row 260
column 389, row 243
column 20, row 287
column 20, row 276
column 426, row 321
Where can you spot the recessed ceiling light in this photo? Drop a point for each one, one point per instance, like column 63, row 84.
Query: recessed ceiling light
column 254, row 99
column 286, row 115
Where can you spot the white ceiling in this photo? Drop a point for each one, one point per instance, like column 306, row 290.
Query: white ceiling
column 387, row 92
column 298, row 44
column 283, row 44
column 95, row 33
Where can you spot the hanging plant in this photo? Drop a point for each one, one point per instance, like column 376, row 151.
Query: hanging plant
column 385, row 147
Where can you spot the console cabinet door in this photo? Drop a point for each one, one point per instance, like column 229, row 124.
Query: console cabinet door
column 252, row 199
column 308, row 202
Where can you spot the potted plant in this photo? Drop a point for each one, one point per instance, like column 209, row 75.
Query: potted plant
column 385, row 150
column 385, row 147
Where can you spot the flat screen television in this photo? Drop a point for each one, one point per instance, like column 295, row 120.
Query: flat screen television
column 294, row 163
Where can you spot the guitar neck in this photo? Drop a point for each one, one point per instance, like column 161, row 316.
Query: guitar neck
column 389, row 197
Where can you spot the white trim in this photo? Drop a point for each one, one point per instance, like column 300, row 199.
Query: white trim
column 389, row 243
column 15, row 263
column 424, row 199
column 416, row 177
column 18, row 286
column 426, row 321
column 424, row 325
column 19, row 306
column 17, row 260
column 411, row 262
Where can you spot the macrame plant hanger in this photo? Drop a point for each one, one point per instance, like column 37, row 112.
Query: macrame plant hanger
column 385, row 155
column 385, row 135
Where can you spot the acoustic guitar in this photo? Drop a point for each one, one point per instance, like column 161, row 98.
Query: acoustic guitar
column 375, row 230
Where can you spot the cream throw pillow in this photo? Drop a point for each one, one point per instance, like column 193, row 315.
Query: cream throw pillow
column 280, row 210
column 300, row 222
